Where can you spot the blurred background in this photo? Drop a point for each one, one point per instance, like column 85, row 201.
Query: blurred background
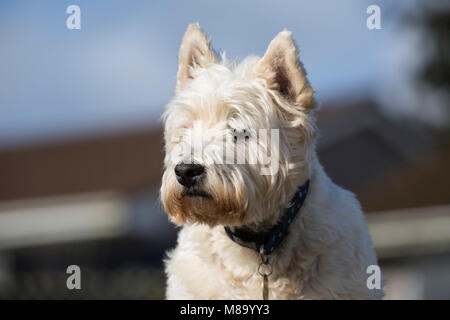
column 81, row 138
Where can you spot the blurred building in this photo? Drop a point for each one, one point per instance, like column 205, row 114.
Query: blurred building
column 94, row 203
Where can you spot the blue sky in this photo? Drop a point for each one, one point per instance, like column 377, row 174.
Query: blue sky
column 119, row 70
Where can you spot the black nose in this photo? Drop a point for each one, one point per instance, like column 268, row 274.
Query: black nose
column 188, row 174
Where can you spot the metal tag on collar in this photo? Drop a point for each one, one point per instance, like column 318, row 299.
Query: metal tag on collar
column 265, row 269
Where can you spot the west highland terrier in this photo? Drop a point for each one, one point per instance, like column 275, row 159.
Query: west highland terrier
column 261, row 219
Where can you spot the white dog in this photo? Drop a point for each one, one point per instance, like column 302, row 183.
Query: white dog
column 255, row 229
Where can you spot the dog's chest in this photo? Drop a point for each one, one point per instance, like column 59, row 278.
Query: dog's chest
column 218, row 282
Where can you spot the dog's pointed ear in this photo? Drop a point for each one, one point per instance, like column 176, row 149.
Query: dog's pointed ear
column 195, row 52
column 284, row 73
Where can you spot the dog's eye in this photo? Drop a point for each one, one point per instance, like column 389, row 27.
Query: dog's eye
column 235, row 135
column 244, row 133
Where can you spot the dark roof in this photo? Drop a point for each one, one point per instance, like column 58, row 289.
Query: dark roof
column 125, row 162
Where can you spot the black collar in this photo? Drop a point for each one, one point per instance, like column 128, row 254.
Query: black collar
column 268, row 241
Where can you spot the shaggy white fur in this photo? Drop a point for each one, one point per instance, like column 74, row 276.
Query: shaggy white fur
column 328, row 248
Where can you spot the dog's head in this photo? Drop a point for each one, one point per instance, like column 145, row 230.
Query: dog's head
column 239, row 138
